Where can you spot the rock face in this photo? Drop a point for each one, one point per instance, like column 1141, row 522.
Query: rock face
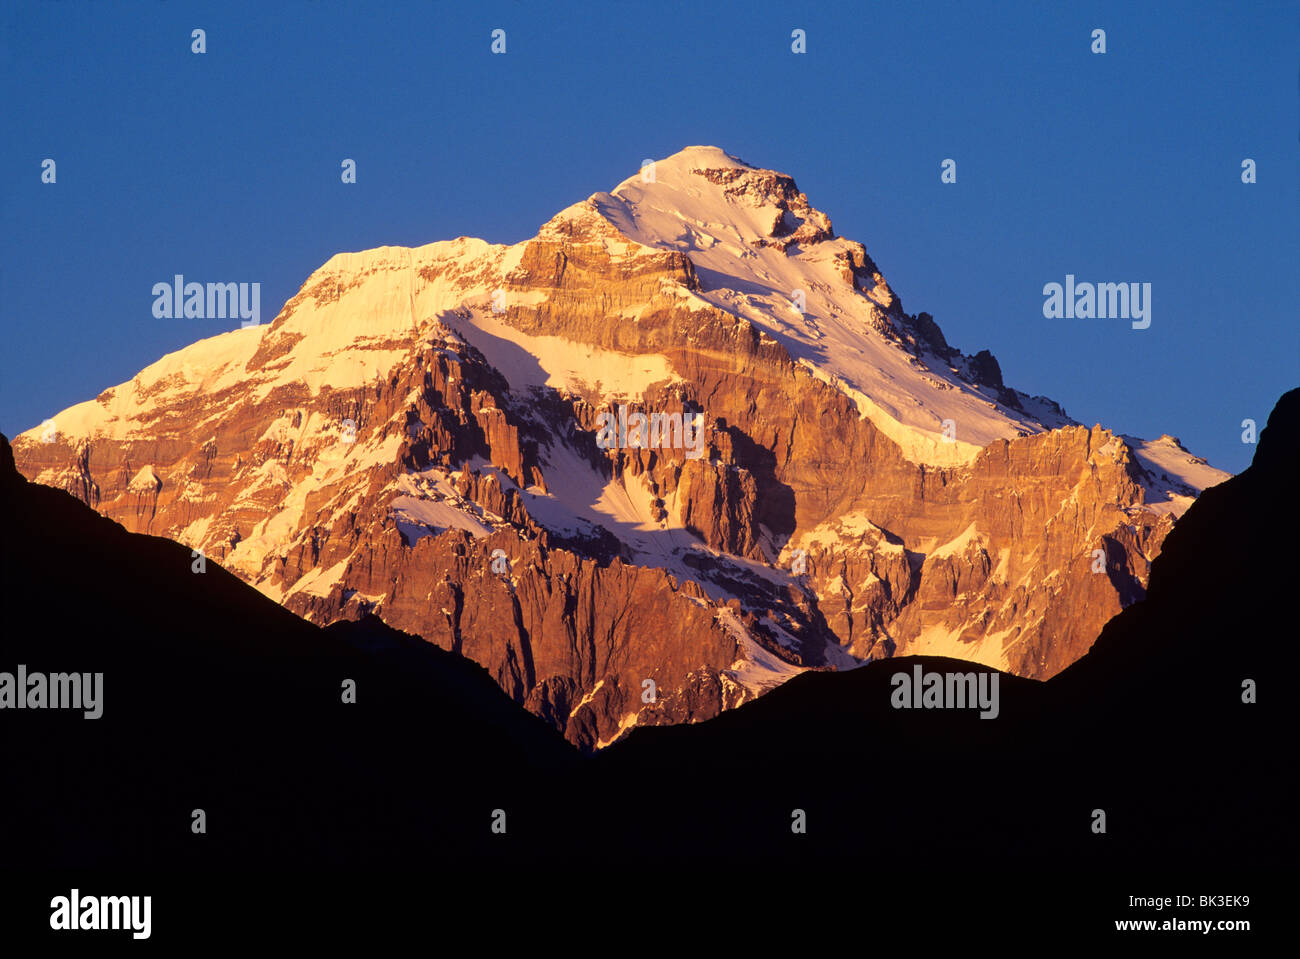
column 425, row 435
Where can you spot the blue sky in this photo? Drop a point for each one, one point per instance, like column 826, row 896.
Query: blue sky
column 1117, row 167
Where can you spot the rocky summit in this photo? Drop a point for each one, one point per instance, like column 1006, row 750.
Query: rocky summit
column 424, row 435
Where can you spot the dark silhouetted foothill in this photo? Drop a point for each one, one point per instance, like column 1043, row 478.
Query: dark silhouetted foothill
column 215, row 697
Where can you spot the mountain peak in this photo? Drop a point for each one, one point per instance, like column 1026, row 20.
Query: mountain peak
column 704, row 155
column 425, row 435
column 764, row 253
column 718, row 198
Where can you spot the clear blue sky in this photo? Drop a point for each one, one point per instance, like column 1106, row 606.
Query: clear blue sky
column 1116, row 167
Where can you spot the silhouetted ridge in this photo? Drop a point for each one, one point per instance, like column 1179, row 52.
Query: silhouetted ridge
column 225, row 701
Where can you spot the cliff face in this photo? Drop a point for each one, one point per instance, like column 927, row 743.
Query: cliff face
column 418, row 434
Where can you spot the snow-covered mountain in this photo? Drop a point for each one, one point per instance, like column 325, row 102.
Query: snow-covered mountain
column 756, row 243
column 423, row 433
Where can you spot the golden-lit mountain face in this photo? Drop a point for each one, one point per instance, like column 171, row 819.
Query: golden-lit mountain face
column 678, row 447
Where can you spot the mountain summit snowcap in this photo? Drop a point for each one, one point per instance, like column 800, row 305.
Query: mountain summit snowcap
column 703, row 192
column 762, row 252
